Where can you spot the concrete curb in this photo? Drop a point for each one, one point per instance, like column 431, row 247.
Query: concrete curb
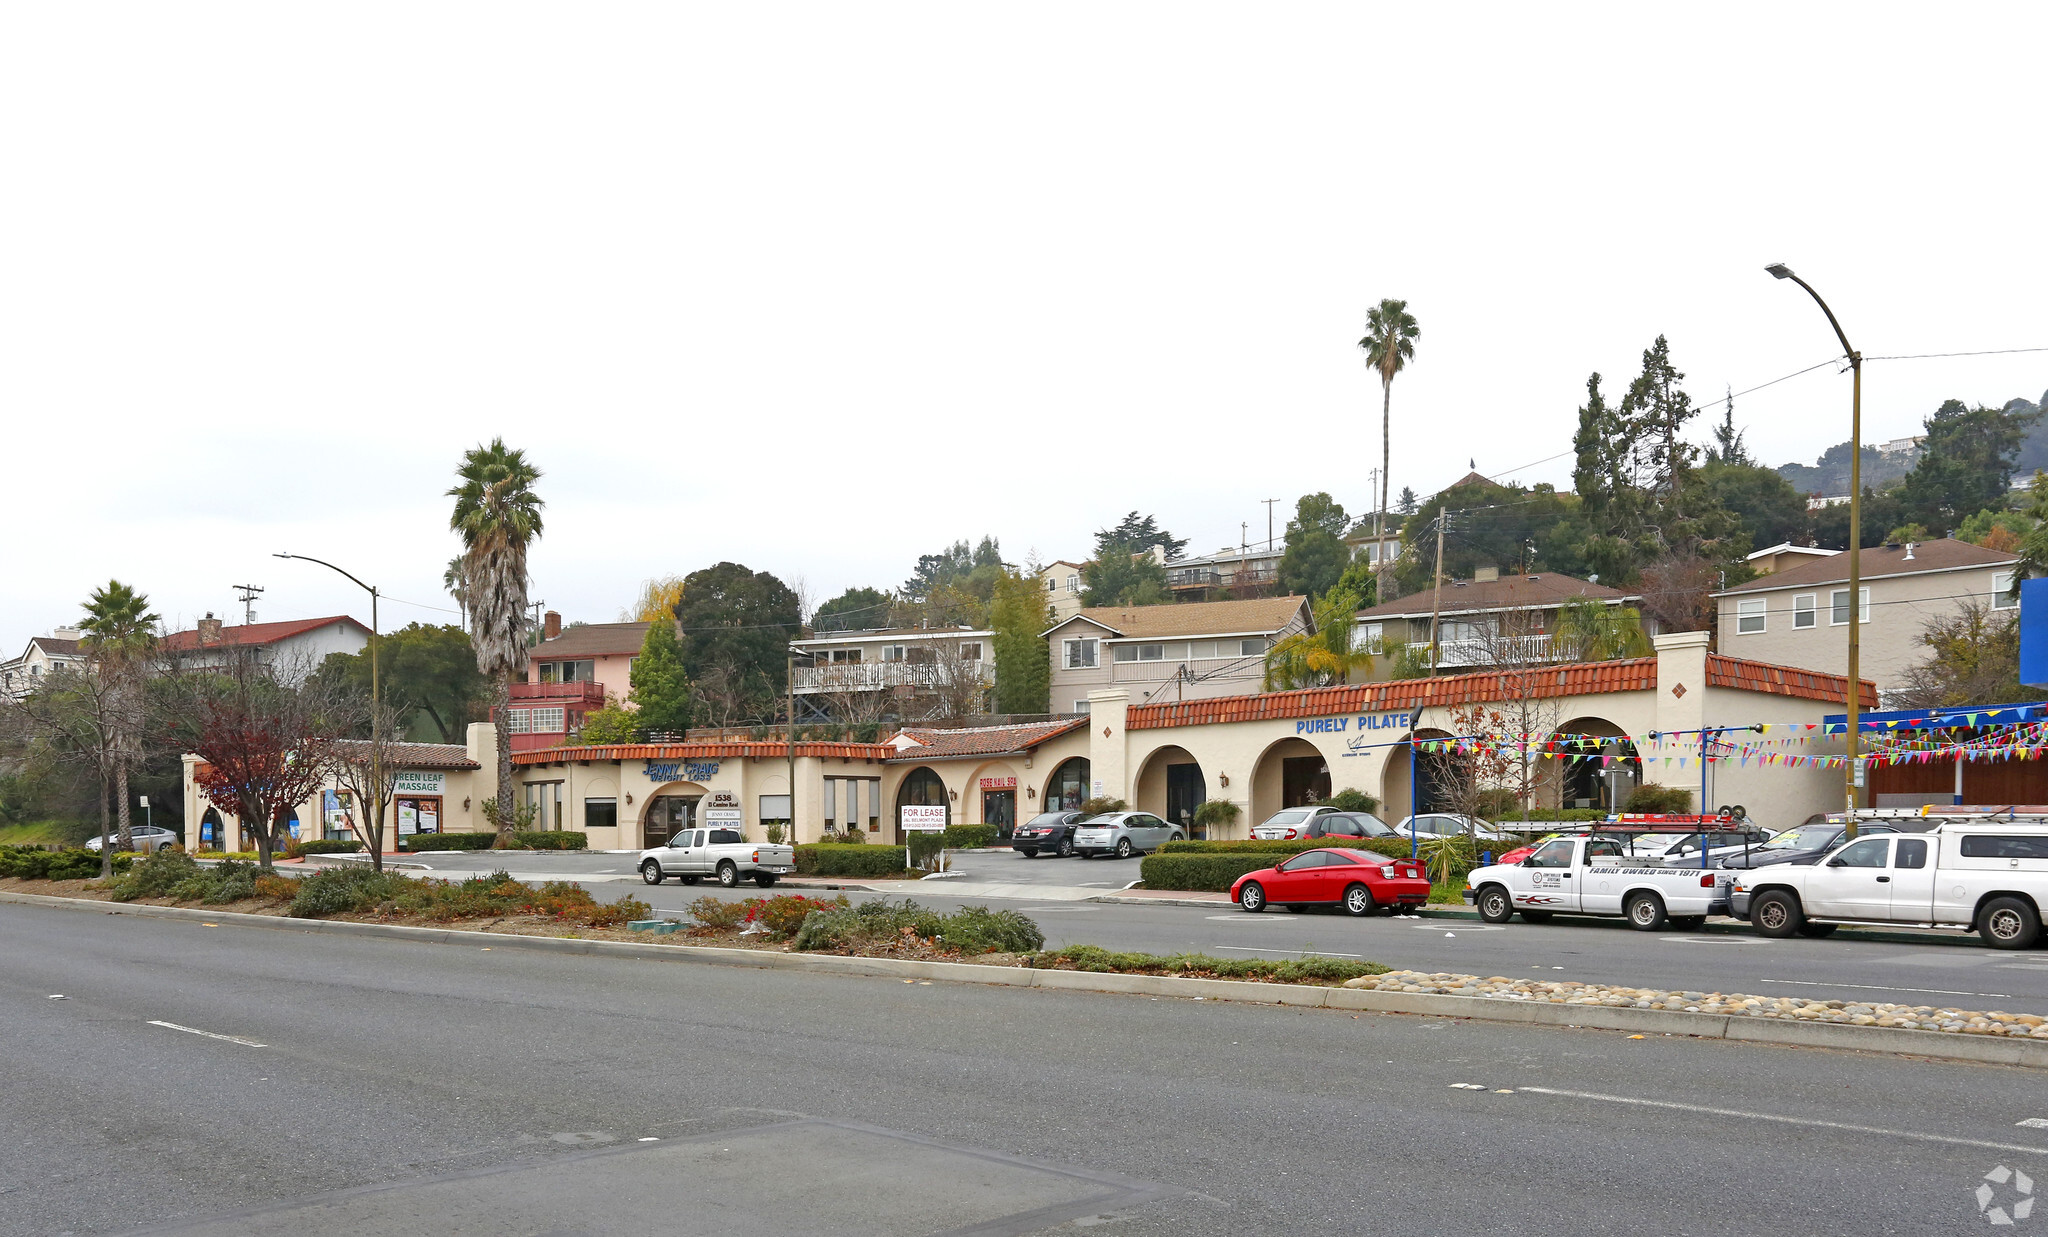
column 1983, row 1049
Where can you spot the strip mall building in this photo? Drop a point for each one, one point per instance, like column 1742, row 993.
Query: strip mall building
column 1600, row 727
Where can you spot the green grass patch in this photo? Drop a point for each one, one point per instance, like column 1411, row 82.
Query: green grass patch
column 42, row 833
column 1310, row 970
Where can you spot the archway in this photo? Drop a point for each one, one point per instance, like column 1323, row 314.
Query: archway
column 1170, row 785
column 669, row 811
column 993, row 797
column 1430, row 788
column 1291, row 773
column 1597, row 764
column 921, row 787
column 1067, row 789
column 212, row 833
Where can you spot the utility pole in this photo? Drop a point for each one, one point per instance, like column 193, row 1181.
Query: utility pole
column 791, row 683
column 249, row 593
column 1269, row 522
column 1436, row 604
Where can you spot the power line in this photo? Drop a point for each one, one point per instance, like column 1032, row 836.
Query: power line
column 1923, row 356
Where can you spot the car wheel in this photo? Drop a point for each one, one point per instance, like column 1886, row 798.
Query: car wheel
column 1817, row 930
column 1123, row 848
column 651, row 872
column 1252, row 897
column 1537, row 916
column 1693, row 923
column 728, row 874
column 1028, row 854
column 1777, row 915
column 1494, row 904
column 1646, row 912
column 765, row 880
column 1065, row 849
column 1175, row 837
column 687, row 880
column 1358, row 901
column 2009, row 923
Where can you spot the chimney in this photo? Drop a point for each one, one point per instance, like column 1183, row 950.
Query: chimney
column 550, row 625
column 209, row 630
column 1485, row 575
column 65, row 633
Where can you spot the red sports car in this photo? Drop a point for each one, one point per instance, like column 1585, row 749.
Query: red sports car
column 1359, row 881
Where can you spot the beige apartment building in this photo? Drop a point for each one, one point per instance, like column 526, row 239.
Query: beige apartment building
column 1062, row 583
column 1796, row 616
column 1490, row 620
column 910, row 673
column 1191, row 651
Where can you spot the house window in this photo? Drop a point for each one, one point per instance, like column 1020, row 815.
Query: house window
column 1073, row 584
column 1151, row 652
column 550, row 721
column 1254, row 647
column 1373, row 633
column 843, row 655
column 519, row 721
column 1749, row 616
column 1838, row 606
column 1080, row 706
column 1125, row 652
column 568, row 672
column 1804, row 610
column 970, row 650
column 1081, row 654
column 2001, row 592
column 892, row 652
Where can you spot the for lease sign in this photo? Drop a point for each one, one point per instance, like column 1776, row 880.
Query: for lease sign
column 917, row 819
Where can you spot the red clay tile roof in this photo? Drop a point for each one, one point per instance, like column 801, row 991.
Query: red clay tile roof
column 592, row 640
column 1756, row 676
column 419, row 755
column 1878, row 562
column 255, row 633
column 981, row 740
column 774, row 749
column 1582, row 679
column 1543, row 590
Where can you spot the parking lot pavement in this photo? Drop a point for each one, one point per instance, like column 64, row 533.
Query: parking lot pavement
column 986, row 870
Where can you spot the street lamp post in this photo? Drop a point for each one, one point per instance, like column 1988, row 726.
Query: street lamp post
column 376, row 697
column 1853, row 692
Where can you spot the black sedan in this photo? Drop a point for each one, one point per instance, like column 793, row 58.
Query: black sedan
column 1801, row 846
column 1048, row 831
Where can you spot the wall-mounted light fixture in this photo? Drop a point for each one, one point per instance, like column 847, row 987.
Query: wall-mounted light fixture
column 954, row 795
column 629, row 798
column 1029, row 794
column 465, row 803
column 1223, row 779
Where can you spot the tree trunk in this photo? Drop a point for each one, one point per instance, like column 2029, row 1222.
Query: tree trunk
column 1386, row 470
column 106, row 834
column 263, row 836
column 505, row 817
column 121, row 812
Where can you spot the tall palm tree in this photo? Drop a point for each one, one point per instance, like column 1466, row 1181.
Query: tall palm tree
column 1389, row 343
column 119, row 631
column 498, row 515
column 454, row 584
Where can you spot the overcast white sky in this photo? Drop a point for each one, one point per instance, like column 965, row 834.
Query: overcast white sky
column 821, row 288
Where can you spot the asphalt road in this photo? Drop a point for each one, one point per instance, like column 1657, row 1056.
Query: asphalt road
column 1951, row 970
column 413, row 1088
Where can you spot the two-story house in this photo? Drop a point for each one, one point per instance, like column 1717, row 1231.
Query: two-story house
column 905, row 673
column 44, row 656
column 568, row 674
column 1245, row 572
column 291, row 650
column 1062, row 584
column 1192, row 651
column 1796, row 615
column 1488, row 620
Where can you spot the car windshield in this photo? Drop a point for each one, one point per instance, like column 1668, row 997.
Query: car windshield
column 1102, row 818
column 1805, row 837
column 1293, row 816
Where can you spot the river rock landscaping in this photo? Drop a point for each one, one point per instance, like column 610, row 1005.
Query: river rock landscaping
column 1793, row 1009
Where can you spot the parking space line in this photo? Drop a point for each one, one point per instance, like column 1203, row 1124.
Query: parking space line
column 232, row 1039
column 1782, row 1120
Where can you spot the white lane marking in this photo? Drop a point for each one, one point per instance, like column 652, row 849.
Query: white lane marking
column 232, row 1039
column 1430, row 927
column 2034, row 1123
column 1770, row 1116
column 1717, row 940
column 1814, row 983
column 1307, row 953
column 1245, row 918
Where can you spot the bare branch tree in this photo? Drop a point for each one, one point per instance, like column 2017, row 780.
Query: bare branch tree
column 77, row 716
column 368, row 770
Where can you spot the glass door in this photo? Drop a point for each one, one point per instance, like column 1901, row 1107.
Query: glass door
column 668, row 815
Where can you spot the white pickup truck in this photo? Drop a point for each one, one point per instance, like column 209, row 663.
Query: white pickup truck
column 1986, row 875
column 693, row 854
column 1592, row 876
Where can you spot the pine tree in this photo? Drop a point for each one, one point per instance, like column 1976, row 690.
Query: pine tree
column 1023, row 667
column 661, row 689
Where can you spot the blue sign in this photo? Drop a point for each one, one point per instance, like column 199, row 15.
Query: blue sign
column 662, row 772
column 2034, row 632
column 1346, row 725
column 682, row 770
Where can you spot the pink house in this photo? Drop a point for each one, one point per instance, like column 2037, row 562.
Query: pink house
column 567, row 675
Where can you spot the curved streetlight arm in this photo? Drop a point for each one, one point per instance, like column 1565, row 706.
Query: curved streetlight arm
column 371, row 589
column 1781, row 271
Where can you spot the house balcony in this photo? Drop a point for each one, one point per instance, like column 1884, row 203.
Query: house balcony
column 870, row 676
column 564, row 693
column 1498, row 651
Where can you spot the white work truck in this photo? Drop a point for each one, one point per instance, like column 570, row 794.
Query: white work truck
column 692, row 854
column 1988, row 875
column 1595, row 876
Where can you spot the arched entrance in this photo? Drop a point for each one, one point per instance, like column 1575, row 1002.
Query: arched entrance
column 1171, row 786
column 1597, row 764
column 993, row 791
column 1067, row 789
column 921, row 788
column 1430, row 787
column 1292, row 773
column 668, row 812
column 212, row 833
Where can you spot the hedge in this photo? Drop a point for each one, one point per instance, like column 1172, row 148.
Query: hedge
column 558, row 839
column 447, row 841
column 970, row 837
column 1201, row 873
column 840, row 859
column 326, row 846
column 1391, row 847
column 35, row 863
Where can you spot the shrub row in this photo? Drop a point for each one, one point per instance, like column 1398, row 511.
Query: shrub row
column 447, row 841
column 1310, row 970
column 173, row 874
column 557, row 839
column 1202, row 873
column 969, row 930
column 781, row 914
column 970, row 837
column 35, row 863
column 336, row 891
column 1384, row 846
column 840, row 859
column 324, row 846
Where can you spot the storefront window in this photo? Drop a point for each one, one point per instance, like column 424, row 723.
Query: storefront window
column 1068, row 789
column 600, row 813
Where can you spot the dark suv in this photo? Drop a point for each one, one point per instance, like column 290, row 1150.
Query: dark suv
column 1047, row 831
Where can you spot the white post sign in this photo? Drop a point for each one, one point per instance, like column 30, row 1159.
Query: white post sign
column 918, row 819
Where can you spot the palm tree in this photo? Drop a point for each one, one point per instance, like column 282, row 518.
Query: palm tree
column 455, row 586
column 498, row 515
column 119, row 632
column 1328, row 654
column 1589, row 629
column 1389, row 343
